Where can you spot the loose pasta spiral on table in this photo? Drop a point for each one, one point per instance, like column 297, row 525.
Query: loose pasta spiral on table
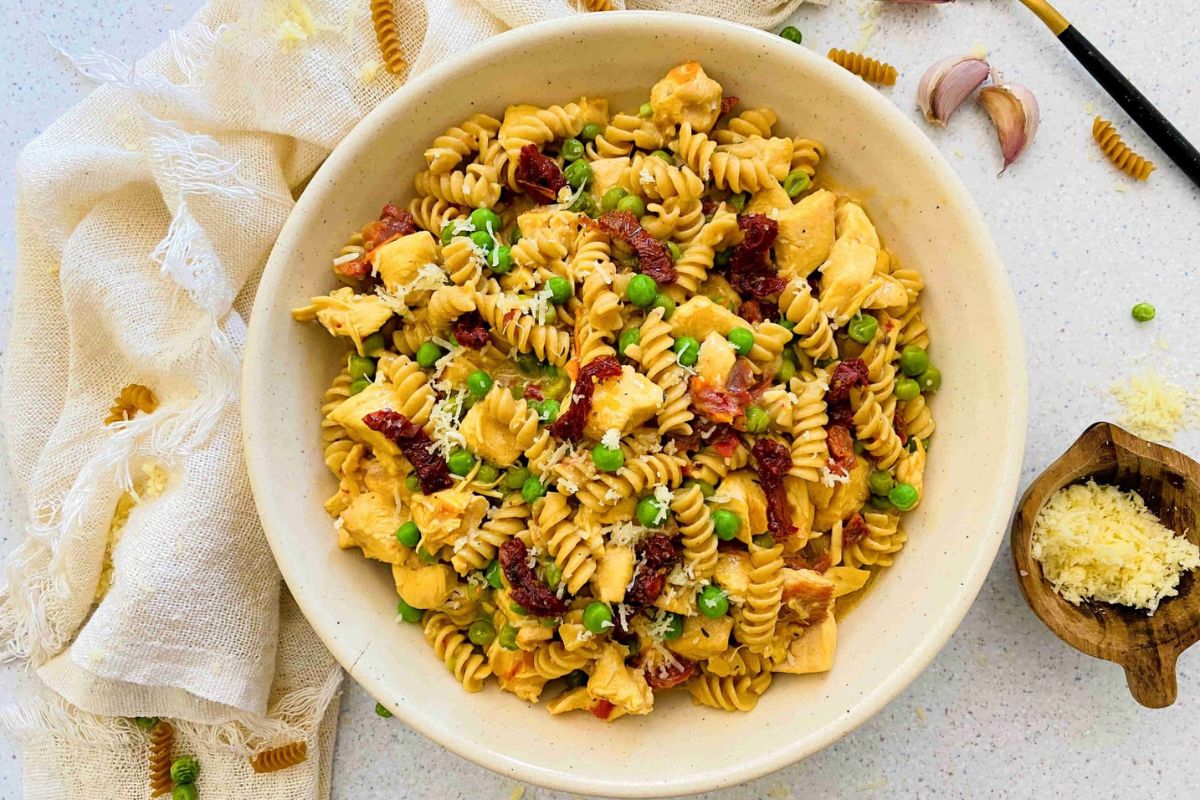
column 569, row 417
column 162, row 739
column 1119, row 153
column 133, row 398
column 277, row 758
column 868, row 69
column 383, row 14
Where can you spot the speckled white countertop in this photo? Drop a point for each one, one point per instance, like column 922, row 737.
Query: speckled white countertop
column 1006, row 710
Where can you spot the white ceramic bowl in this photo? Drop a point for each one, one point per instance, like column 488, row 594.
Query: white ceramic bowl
column 923, row 213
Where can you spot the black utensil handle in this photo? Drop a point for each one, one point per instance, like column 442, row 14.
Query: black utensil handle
column 1143, row 112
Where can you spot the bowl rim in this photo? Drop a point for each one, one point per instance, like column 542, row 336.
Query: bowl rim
column 940, row 629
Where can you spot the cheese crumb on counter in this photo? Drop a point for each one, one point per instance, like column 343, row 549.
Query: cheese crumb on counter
column 1155, row 408
column 1099, row 543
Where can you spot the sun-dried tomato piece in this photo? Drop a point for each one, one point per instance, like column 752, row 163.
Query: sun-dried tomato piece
column 772, row 460
column 392, row 222
column 657, row 552
column 842, row 415
column 841, row 448
column 602, row 709
column 527, row 591
column 569, row 425
column 714, row 402
column 538, row 175
column 726, row 444
column 470, row 331
column 751, row 311
column 654, row 259
column 646, row 586
column 708, row 206
column 668, row 675
column 355, row 270
column 727, row 104
column 750, row 272
column 855, row 530
column 533, row 392
column 899, row 427
column 415, row 444
column 685, row 442
column 846, row 376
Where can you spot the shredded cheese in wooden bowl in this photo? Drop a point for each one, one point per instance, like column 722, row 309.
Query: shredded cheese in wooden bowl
column 1096, row 542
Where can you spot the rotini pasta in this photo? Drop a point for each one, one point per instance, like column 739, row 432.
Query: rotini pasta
column 277, row 758
column 868, row 69
column 162, row 739
column 133, row 398
column 570, row 431
column 383, row 14
column 1119, row 153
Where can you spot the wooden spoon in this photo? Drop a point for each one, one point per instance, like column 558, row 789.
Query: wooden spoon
column 1146, row 646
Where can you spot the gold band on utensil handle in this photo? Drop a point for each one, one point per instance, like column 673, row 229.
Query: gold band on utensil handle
column 1048, row 14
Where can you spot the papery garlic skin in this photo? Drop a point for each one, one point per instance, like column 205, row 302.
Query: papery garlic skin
column 1015, row 112
column 947, row 83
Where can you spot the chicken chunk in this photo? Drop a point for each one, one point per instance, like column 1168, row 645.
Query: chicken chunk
column 344, row 313
column 699, row 317
column 812, row 652
column 445, row 516
column 806, row 232
column 623, row 404
column 421, row 585
column 625, row 688
column 702, row 637
column 613, row 573
column 686, row 94
column 716, row 359
column 371, row 521
column 399, row 260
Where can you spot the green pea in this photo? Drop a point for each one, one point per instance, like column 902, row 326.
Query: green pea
column 494, row 575
column 501, row 260
column 787, row 371
column 712, row 602
column 633, row 204
column 406, row 612
column 576, row 678
column 483, row 240
column 1143, row 312
column 650, row 513
column 425, row 556
column 726, row 524
column 675, row 251
column 930, row 380
column 590, row 131
column 645, row 111
column 412, row 482
column 515, row 235
column 528, row 364
column 738, row 201
column 373, row 343
column 706, row 489
column 665, row 303
column 863, row 328
column 185, row 769
column 516, row 608
column 880, row 482
column 479, row 383
column 552, row 574
column 408, row 534
column 428, row 354
column 757, row 420
column 578, row 174
column 185, row 791
column 358, row 385
column 381, row 711
column 461, row 462
column 481, row 632
column 904, row 496
column 557, row 387
column 532, row 489
column 664, row 155
column 641, row 291
column 674, row 628
column 859, row 447
column 687, row 350
column 571, row 149
column 608, row 459
column 361, row 367
column 629, row 337
column 880, row 503
column 485, row 220
column 764, row 540
column 560, row 290
column 145, row 723
column 787, row 323
column 907, row 389
column 612, row 197
column 487, row 474
column 722, row 259
column 597, row 617
column 508, row 637
column 742, row 340
column 791, row 33
column 448, row 231
column 913, row 360
column 548, row 410
column 515, row 478
column 796, row 183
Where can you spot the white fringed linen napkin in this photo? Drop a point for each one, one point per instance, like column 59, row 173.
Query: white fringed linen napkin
column 144, row 585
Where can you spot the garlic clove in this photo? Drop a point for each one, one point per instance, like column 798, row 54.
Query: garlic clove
column 946, row 84
column 1015, row 113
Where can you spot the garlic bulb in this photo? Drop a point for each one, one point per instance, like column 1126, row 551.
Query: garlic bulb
column 1014, row 110
column 946, row 84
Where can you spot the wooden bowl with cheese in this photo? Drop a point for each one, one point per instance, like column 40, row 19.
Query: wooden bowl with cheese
column 1145, row 645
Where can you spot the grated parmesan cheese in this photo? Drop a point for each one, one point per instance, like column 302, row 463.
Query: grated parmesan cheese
column 662, row 497
column 1155, row 408
column 831, row 478
column 443, row 421
column 611, row 439
column 568, row 486
column 1098, row 543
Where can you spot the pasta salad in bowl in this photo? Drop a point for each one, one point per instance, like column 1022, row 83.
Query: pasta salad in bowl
column 633, row 401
